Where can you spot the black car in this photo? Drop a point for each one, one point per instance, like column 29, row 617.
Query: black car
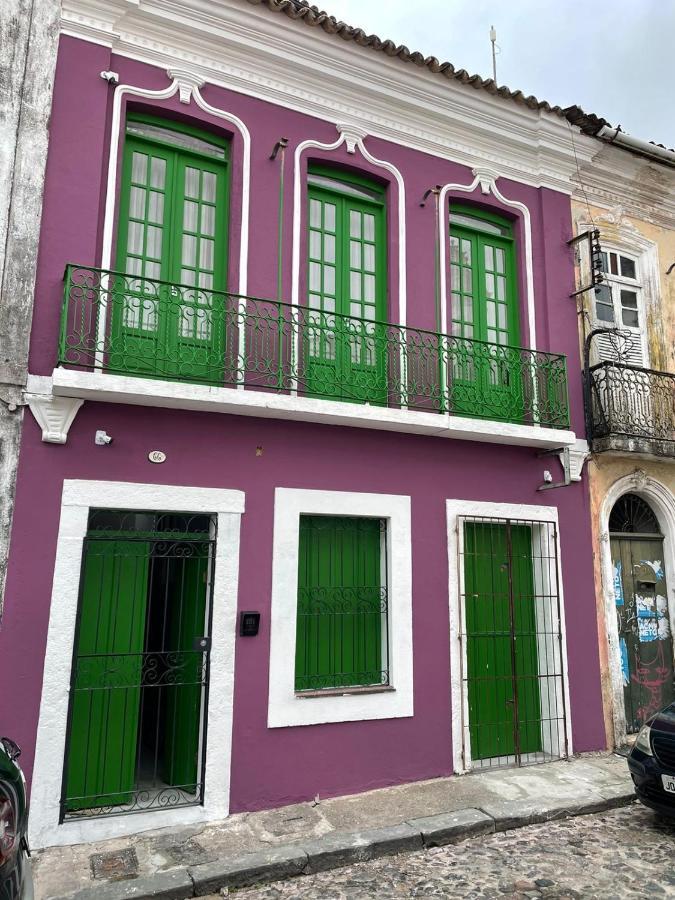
column 652, row 762
column 16, row 879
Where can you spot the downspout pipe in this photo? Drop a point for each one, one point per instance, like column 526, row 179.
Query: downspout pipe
column 621, row 139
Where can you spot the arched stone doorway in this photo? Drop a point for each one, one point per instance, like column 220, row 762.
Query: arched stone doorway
column 643, row 621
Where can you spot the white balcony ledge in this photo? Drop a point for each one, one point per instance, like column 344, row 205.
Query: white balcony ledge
column 107, row 388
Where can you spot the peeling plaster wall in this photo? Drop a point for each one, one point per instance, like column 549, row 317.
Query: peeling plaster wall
column 605, row 469
column 28, row 43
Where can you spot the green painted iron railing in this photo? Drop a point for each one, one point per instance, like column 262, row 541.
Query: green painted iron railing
column 125, row 324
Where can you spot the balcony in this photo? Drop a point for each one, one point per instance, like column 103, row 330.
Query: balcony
column 188, row 347
column 631, row 409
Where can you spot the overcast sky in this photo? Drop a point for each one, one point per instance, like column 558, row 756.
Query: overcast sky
column 615, row 58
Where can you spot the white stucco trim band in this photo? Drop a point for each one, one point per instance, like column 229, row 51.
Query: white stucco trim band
column 111, row 388
column 78, row 498
column 456, row 509
column 285, row 707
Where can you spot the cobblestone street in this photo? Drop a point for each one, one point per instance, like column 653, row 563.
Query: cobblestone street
column 625, row 853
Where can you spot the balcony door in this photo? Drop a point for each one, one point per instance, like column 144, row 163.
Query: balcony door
column 167, row 315
column 343, row 339
column 485, row 368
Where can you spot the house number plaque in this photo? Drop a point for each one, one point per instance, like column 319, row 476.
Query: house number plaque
column 157, row 456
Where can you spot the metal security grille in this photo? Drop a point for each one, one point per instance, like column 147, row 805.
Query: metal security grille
column 136, row 735
column 511, row 642
column 342, row 624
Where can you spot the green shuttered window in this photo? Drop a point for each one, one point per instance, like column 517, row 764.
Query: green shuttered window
column 172, row 231
column 346, row 277
column 341, row 639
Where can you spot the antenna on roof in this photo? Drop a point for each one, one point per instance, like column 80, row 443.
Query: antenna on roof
column 493, row 41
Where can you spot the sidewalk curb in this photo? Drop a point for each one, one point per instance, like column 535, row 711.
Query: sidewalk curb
column 337, row 849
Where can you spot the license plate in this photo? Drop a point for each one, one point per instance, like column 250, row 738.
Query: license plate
column 668, row 783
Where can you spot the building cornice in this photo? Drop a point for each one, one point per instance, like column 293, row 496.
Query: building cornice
column 245, row 49
column 613, row 177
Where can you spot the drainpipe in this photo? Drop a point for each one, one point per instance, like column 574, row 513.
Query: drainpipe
column 621, row 139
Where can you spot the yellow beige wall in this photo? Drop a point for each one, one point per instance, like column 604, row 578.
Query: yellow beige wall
column 605, row 469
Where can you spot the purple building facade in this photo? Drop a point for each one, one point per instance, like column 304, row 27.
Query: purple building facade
column 311, row 371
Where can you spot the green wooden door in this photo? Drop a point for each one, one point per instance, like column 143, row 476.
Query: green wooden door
column 105, row 698
column 484, row 368
column 166, row 319
column 501, row 640
column 344, row 342
column 186, row 615
column 341, row 603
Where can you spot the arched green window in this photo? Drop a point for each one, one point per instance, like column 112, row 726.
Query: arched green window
column 171, row 252
column 346, row 286
column 485, row 370
column 483, row 281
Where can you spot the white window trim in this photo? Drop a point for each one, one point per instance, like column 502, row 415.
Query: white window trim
column 187, row 85
column 615, row 283
column 285, row 707
column 487, row 180
column 455, row 509
column 619, row 235
column 77, row 499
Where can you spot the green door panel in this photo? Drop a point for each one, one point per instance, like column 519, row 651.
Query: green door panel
column 344, row 348
column 109, row 665
column 186, row 613
column 340, row 603
column 485, row 371
column 502, row 664
column 166, row 320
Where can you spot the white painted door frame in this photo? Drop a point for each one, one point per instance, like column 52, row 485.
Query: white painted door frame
column 77, row 499
column 456, row 509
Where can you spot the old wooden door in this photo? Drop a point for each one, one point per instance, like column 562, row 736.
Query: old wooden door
column 641, row 599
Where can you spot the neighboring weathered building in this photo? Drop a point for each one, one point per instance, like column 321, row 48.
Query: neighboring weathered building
column 290, row 516
column 28, row 43
column 627, row 195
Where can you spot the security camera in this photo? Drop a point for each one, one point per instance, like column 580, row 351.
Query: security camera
column 101, row 438
column 110, row 77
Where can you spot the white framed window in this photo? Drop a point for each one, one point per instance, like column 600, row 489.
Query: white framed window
column 393, row 696
column 619, row 303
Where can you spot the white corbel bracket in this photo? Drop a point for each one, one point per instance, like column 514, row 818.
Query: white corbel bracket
column 186, row 81
column 53, row 414
column 353, row 136
column 486, row 178
column 572, row 461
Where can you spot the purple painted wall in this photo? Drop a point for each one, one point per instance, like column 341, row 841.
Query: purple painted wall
column 272, row 767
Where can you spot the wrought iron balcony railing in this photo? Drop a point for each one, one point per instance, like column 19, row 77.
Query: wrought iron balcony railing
column 630, row 402
column 122, row 323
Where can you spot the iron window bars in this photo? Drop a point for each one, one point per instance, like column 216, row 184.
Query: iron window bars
column 136, row 736
column 140, row 326
column 511, row 642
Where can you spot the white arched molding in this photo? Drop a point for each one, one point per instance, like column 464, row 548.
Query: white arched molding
column 662, row 502
column 187, row 86
column 487, row 179
column 354, row 138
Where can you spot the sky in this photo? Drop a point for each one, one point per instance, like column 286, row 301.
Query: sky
column 615, row 58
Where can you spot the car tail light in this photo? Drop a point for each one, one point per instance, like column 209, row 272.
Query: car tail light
column 9, row 837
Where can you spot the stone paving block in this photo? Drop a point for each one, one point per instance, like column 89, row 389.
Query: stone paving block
column 176, row 885
column 271, row 864
column 448, row 827
column 340, row 849
column 509, row 814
